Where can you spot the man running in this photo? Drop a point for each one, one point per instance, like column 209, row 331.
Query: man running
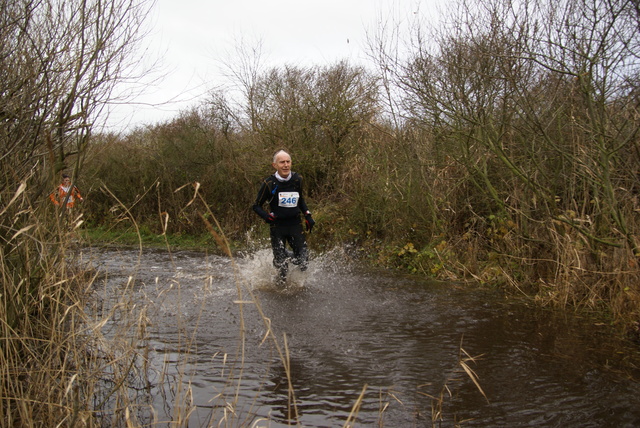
column 282, row 191
column 65, row 193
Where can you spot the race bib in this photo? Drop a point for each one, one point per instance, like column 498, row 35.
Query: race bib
column 288, row 199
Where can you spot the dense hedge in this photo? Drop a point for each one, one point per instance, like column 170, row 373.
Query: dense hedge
column 527, row 192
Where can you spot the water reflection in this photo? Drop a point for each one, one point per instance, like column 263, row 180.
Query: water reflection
column 347, row 330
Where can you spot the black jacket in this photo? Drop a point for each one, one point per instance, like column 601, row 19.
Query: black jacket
column 285, row 199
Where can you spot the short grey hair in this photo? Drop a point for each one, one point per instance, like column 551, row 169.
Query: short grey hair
column 275, row 155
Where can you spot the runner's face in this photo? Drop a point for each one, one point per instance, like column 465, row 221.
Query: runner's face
column 66, row 181
column 283, row 165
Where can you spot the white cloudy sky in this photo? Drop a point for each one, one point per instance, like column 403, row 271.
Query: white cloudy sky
column 192, row 37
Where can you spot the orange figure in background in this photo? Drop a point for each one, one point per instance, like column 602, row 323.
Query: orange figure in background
column 65, row 191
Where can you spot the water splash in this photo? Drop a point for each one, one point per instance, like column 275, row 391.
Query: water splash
column 258, row 271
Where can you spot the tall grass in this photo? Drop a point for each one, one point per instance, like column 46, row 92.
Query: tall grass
column 41, row 310
column 72, row 356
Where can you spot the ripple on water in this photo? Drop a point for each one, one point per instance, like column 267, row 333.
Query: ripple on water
column 348, row 327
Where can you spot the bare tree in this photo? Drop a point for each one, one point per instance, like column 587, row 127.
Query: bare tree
column 60, row 63
column 315, row 111
column 537, row 104
column 542, row 88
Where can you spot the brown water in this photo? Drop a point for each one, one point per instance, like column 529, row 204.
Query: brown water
column 350, row 330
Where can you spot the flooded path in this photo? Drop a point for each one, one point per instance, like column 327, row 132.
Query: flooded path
column 385, row 345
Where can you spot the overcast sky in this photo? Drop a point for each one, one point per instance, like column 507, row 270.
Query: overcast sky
column 192, row 37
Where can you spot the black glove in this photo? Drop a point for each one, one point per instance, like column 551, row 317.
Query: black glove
column 270, row 218
column 309, row 222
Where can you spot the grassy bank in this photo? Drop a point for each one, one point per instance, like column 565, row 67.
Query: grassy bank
column 110, row 237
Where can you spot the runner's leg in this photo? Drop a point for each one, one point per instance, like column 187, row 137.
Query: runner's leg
column 299, row 245
column 279, row 253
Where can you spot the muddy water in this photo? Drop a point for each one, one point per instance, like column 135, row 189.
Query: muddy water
column 387, row 345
